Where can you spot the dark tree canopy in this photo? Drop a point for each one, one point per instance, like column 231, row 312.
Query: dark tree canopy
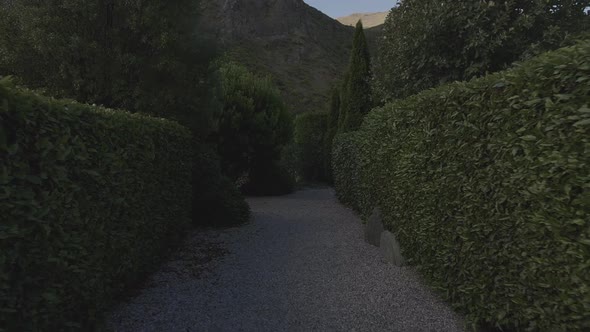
column 430, row 42
column 310, row 134
column 146, row 55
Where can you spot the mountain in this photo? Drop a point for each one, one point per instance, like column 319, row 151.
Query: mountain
column 304, row 50
column 369, row 19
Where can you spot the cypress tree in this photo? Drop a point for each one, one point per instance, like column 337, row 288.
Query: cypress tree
column 341, row 110
column 334, row 112
column 332, row 129
column 356, row 98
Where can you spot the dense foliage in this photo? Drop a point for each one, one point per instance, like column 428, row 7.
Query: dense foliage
column 347, row 169
column 143, row 56
column 147, row 56
column 429, row 42
column 356, row 93
column 331, row 131
column 254, row 127
column 310, row 134
column 486, row 184
column 216, row 199
column 90, row 198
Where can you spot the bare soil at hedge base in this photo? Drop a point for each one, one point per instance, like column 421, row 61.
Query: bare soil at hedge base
column 300, row 265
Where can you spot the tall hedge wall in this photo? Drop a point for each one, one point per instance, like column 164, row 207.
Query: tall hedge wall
column 346, row 160
column 89, row 198
column 310, row 131
column 487, row 186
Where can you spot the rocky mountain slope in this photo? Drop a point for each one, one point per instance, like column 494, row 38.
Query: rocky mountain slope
column 304, row 50
column 369, row 19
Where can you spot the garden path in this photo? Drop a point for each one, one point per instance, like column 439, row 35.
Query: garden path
column 301, row 264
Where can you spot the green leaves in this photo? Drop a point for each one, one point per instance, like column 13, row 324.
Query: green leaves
column 147, row 57
column 84, row 209
column 254, row 125
column 427, row 43
column 528, row 138
column 356, row 92
column 583, row 122
column 487, row 189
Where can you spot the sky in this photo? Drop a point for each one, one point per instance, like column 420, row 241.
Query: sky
column 339, row 8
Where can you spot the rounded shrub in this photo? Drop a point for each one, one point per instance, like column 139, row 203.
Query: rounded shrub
column 254, row 127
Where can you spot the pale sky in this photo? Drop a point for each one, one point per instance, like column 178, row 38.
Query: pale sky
column 338, row 8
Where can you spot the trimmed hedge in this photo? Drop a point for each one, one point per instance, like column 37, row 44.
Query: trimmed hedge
column 487, row 186
column 346, row 161
column 310, row 131
column 89, row 200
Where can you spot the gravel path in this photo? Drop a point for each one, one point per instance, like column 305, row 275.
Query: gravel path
column 301, row 265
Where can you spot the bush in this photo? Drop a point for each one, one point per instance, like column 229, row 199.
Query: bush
column 254, row 125
column 486, row 185
column 89, row 199
column 216, row 200
column 310, row 131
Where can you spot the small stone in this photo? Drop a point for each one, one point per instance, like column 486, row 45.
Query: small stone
column 374, row 228
column 391, row 250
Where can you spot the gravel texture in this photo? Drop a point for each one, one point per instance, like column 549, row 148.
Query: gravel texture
column 300, row 265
